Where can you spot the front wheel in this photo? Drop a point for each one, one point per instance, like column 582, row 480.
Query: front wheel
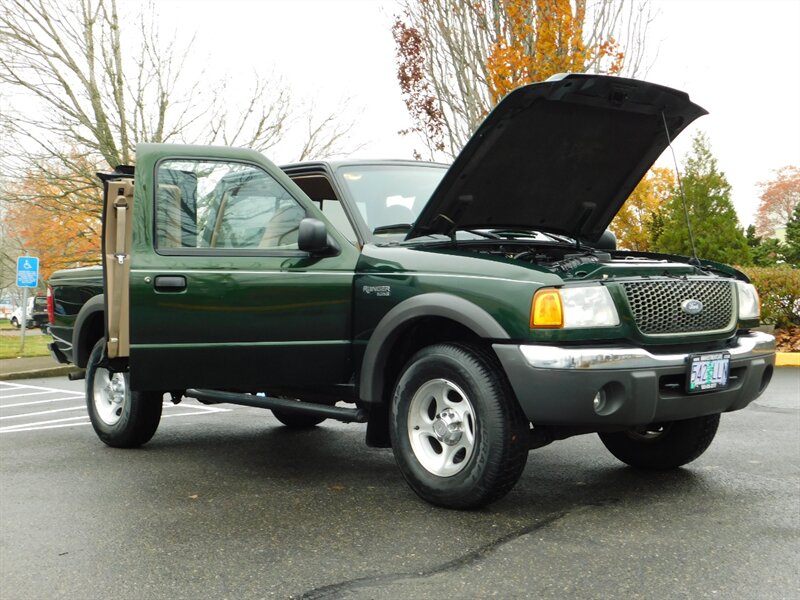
column 121, row 418
column 458, row 434
column 663, row 445
column 15, row 322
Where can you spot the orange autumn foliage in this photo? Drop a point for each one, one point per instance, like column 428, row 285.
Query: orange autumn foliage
column 633, row 223
column 457, row 59
column 779, row 196
column 540, row 38
column 62, row 229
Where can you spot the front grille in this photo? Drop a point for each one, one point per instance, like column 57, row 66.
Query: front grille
column 656, row 305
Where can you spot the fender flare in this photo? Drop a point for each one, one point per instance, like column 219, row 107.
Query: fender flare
column 435, row 304
column 81, row 344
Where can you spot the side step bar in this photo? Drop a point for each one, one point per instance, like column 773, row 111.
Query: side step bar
column 345, row 415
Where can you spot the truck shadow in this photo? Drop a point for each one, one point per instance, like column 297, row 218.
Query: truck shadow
column 334, row 458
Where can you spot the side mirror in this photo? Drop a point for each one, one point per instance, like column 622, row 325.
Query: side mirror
column 312, row 237
column 607, row 241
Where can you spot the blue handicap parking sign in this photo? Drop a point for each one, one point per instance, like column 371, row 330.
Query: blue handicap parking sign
column 27, row 271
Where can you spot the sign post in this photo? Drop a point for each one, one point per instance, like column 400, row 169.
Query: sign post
column 27, row 277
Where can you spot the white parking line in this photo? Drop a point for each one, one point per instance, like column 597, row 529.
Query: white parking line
column 7, row 396
column 32, row 387
column 23, row 426
column 84, row 419
column 43, row 412
column 75, row 397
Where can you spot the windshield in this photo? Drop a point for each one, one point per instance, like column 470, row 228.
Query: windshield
column 391, row 194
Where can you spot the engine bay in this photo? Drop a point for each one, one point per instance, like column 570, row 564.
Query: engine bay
column 571, row 262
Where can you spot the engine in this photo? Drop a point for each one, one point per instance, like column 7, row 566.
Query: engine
column 570, row 262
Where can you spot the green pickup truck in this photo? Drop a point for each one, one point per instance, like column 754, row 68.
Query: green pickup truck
column 466, row 314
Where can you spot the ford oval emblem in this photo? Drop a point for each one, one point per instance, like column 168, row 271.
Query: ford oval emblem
column 692, row 306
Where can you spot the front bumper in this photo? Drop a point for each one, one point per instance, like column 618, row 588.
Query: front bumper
column 558, row 385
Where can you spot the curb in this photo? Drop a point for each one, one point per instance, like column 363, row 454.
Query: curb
column 35, row 373
column 787, row 359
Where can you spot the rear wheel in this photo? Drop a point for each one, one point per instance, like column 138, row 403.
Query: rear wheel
column 458, row 434
column 663, row 446
column 120, row 417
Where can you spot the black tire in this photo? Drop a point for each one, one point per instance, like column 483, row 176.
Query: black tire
column 121, row 418
column 297, row 421
column 450, row 391
column 15, row 322
column 665, row 445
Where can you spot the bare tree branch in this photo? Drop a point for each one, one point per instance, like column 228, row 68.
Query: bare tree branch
column 81, row 90
column 325, row 136
column 451, row 54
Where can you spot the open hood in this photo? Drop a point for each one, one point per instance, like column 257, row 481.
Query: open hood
column 560, row 156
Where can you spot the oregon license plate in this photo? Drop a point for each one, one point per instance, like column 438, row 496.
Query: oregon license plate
column 708, row 371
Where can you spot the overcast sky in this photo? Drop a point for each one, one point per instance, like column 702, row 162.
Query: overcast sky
column 739, row 59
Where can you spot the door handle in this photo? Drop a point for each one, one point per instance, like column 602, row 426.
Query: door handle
column 170, row 283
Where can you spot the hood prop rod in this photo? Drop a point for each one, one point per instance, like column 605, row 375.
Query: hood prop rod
column 694, row 260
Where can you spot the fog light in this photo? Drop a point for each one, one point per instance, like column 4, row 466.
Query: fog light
column 609, row 399
column 599, row 402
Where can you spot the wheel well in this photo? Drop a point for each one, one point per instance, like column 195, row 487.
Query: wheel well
column 417, row 335
column 413, row 336
column 92, row 330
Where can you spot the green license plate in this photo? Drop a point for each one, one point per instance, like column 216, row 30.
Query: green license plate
column 708, row 372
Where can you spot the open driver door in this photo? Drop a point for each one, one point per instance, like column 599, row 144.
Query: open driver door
column 117, row 226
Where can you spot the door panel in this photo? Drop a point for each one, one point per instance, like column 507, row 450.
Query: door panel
column 117, row 226
column 224, row 298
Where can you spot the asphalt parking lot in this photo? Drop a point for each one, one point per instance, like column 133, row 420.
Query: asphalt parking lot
column 226, row 503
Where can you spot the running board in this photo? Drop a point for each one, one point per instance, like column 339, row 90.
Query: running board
column 345, row 415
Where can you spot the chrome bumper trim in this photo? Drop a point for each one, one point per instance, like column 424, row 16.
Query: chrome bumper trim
column 753, row 345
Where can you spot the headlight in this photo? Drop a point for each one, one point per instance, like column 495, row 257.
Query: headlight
column 749, row 304
column 573, row 307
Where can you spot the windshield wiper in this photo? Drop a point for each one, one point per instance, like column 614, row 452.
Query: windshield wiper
column 395, row 228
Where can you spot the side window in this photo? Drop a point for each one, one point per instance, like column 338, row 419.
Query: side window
column 225, row 205
column 319, row 189
column 332, row 209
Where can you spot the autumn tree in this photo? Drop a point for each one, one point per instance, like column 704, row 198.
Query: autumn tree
column 635, row 222
column 457, row 59
column 779, row 197
column 712, row 216
column 63, row 230
column 792, row 251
